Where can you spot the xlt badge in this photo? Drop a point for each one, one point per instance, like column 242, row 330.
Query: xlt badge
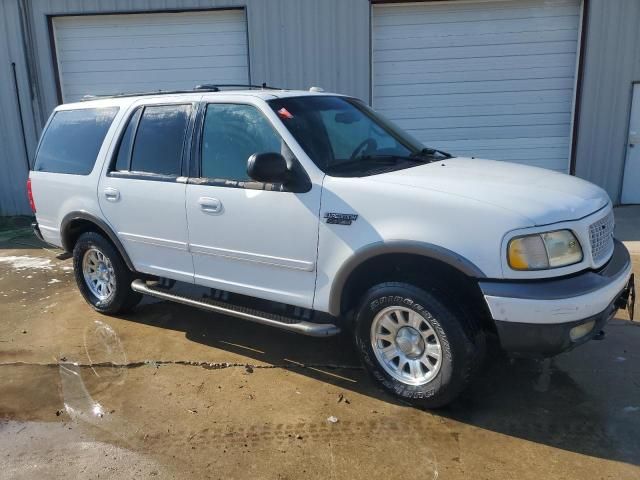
column 340, row 218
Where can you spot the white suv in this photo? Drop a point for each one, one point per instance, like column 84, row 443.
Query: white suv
column 310, row 212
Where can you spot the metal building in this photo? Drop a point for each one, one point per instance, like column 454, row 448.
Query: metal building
column 544, row 82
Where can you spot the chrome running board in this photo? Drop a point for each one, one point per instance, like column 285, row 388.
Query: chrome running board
column 253, row 315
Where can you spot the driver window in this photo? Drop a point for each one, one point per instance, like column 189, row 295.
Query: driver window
column 231, row 134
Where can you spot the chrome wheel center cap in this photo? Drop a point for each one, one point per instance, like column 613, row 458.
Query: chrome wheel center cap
column 103, row 272
column 410, row 342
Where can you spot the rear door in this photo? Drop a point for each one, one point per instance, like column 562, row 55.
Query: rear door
column 247, row 237
column 143, row 192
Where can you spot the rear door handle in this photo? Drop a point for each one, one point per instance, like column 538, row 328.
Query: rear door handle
column 210, row 205
column 112, row 194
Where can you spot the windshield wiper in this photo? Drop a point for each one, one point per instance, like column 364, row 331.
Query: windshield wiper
column 389, row 158
column 430, row 152
column 366, row 161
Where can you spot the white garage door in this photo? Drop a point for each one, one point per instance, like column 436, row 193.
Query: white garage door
column 486, row 79
column 108, row 54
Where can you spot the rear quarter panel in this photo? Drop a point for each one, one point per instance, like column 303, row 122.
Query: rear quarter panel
column 57, row 194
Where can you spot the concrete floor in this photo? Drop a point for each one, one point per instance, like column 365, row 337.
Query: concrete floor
column 173, row 392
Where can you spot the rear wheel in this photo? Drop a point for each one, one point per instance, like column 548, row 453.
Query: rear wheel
column 102, row 276
column 415, row 343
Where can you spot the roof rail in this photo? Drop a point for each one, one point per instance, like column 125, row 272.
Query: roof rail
column 218, row 86
column 140, row 94
column 198, row 88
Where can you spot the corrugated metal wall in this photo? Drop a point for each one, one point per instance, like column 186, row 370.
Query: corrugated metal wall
column 292, row 43
column 13, row 169
column 612, row 64
column 299, row 43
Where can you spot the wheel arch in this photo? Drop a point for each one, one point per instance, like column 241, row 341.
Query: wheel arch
column 75, row 224
column 369, row 259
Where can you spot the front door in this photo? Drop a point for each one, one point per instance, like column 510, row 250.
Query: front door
column 631, row 182
column 142, row 195
column 246, row 237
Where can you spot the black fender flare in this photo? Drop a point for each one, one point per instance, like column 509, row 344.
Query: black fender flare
column 69, row 218
column 372, row 250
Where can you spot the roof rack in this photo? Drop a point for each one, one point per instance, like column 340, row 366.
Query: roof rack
column 217, row 86
column 198, row 88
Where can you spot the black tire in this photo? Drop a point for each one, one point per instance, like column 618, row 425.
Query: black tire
column 461, row 342
column 124, row 298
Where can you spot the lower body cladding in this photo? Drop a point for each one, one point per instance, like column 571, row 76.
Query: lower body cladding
column 547, row 317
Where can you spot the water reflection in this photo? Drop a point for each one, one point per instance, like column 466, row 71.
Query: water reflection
column 105, row 353
column 107, row 363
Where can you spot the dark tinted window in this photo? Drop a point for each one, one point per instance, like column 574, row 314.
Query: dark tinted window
column 232, row 133
column 124, row 150
column 73, row 139
column 159, row 140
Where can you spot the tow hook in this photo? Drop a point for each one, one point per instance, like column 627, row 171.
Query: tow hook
column 600, row 335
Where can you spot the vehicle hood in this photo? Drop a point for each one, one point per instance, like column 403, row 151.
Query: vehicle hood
column 542, row 196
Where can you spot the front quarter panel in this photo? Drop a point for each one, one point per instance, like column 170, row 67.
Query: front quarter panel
column 392, row 215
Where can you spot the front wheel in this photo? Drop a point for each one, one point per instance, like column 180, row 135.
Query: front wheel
column 102, row 276
column 414, row 344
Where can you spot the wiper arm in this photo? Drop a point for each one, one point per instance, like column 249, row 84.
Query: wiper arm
column 393, row 158
column 430, row 152
column 365, row 161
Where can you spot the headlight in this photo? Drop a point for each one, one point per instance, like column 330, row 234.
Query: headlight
column 544, row 250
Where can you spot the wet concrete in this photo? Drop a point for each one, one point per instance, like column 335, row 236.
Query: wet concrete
column 170, row 392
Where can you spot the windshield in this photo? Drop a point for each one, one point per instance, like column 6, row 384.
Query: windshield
column 344, row 137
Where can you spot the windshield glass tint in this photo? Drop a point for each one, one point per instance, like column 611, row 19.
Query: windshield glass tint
column 343, row 136
column 73, row 139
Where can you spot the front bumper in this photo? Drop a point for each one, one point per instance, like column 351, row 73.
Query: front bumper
column 536, row 317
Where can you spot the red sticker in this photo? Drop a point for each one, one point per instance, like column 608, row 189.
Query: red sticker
column 284, row 113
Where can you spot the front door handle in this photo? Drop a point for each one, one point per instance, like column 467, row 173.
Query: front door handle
column 210, row 205
column 112, row 194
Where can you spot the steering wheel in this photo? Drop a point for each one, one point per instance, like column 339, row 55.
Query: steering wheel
column 367, row 144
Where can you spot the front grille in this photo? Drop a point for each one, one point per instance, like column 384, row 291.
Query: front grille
column 601, row 237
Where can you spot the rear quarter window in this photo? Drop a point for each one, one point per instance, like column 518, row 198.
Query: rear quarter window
column 73, row 139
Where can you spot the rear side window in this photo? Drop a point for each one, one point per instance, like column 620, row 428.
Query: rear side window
column 159, row 139
column 73, row 139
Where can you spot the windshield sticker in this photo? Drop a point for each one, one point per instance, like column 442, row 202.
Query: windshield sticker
column 284, row 113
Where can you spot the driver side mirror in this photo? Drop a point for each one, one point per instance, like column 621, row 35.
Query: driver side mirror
column 268, row 167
